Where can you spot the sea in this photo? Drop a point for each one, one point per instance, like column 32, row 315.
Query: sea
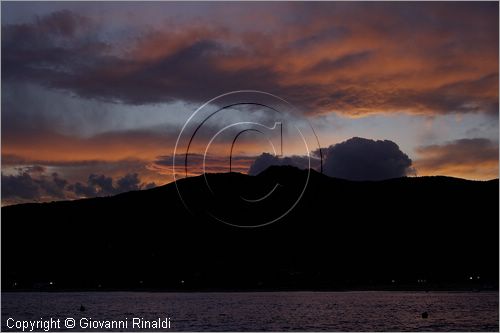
column 250, row 311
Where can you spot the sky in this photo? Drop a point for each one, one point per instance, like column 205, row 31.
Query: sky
column 94, row 94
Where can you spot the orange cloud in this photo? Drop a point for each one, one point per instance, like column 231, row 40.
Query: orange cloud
column 356, row 59
column 465, row 158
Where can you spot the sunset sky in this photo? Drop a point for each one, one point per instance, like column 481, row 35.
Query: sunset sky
column 94, row 94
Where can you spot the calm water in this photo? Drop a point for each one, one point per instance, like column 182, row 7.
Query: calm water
column 276, row 311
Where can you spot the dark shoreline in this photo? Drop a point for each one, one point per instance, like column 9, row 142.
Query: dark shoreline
column 218, row 290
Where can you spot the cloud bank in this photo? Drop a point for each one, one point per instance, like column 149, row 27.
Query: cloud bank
column 462, row 158
column 34, row 184
column 351, row 58
column 353, row 159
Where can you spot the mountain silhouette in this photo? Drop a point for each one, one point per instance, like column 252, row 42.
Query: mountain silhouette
column 404, row 233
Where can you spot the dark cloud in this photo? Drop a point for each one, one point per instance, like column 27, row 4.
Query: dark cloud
column 129, row 182
column 19, row 186
column 51, row 49
column 53, row 186
column 86, row 66
column 31, row 185
column 101, row 185
column 354, row 159
column 365, row 159
column 24, row 186
column 469, row 158
column 63, row 23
